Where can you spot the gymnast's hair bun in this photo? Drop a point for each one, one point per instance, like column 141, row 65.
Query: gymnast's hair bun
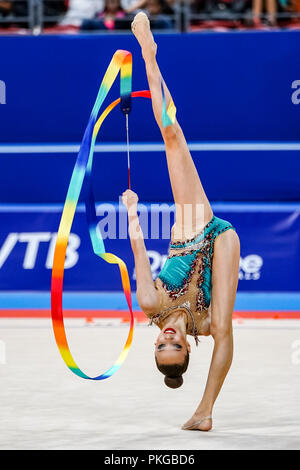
column 173, row 382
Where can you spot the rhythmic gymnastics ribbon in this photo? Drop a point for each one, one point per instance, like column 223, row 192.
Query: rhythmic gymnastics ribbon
column 121, row 62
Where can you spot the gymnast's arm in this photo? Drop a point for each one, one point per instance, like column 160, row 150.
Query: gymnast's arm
column 147, row 295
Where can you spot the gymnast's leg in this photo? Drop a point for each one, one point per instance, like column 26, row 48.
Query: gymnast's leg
column 186, row 185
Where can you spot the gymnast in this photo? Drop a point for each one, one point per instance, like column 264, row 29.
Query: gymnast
column 195, row 291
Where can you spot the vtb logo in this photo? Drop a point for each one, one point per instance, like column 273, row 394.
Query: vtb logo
column 2, row 92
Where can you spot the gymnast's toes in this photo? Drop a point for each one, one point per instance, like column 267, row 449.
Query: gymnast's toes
column 141, row 29
column 140, row 23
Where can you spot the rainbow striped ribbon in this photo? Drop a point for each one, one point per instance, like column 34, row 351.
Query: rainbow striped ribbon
column 121, row 61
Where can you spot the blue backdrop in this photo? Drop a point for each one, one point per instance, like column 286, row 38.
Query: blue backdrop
column 233, row 86
column 225, row 175
column 227, row 87
column 269, row 237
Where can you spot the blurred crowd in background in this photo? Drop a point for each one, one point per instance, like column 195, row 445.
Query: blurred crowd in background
column 71, row 16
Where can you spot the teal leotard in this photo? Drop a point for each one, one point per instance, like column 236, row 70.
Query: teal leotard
column 182, row 263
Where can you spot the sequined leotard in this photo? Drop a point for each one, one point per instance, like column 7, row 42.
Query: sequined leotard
column 185, row 280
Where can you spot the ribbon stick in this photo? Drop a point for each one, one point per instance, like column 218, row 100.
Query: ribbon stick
column 121, row 61
column 83, row 166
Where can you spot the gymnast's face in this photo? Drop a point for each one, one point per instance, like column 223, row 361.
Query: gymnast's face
column 171, row 346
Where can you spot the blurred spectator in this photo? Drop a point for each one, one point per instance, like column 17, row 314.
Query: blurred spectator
column 51, row 9
column 107, row 19
column 5, row 8
column 292, row 6
column 18, row 9
column 159, row 12
column 80, row 10
column 219, row 8
column 93, row 15
column 114, row 16
column 87, row 9
column 55, row 8
column 7, row 11
column 240, row 13
column 141, row 4
column 271, row 7
column 290, row 10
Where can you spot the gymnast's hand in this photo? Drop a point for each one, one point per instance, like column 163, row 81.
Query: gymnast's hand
column 130, row 200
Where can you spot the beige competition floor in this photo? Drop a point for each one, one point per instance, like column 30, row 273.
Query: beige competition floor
column 44, row 406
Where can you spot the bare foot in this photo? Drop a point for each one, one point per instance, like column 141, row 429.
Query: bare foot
column 198, row 423
column 141, row 29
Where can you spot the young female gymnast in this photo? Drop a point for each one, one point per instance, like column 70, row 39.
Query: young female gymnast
column 194, row 293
